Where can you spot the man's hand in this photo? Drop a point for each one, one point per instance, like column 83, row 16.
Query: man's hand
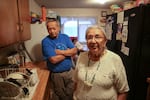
column 68, row 52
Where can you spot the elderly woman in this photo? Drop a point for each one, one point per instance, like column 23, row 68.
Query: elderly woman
column 99, row 73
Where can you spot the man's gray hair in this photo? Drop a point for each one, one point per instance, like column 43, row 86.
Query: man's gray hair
column 52, row 20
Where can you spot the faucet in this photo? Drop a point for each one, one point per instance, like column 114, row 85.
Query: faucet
column 21, row 52
column 22, row 58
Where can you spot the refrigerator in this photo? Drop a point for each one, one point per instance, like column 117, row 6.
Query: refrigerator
column 129, row 37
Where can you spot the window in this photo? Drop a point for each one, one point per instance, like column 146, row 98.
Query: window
column 76, row 26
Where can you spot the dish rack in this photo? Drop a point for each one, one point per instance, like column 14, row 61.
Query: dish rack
column 14, row 87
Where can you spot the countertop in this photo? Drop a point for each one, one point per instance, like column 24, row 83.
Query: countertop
column 43, row 75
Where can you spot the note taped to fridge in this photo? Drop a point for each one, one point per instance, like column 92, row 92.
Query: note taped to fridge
column 124, row 49
column 124, row 33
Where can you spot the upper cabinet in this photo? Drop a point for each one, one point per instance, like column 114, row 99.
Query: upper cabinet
column 24, row 20
column 15, row 21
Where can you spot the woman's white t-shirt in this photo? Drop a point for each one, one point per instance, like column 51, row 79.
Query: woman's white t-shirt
column 101, row 80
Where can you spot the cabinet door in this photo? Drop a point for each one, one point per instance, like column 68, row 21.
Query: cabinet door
column 8, row 22
column 24, row 20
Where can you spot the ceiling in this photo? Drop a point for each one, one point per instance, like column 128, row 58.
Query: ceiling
column 77, row 3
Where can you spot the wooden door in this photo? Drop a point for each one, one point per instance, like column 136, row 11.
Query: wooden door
column 24, row 20
column 8, row 22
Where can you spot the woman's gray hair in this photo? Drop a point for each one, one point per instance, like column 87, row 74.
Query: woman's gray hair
column 95, row 27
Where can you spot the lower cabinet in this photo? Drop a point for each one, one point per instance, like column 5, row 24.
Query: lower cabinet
column 48, row 91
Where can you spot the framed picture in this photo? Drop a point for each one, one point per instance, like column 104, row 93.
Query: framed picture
column 103, row 13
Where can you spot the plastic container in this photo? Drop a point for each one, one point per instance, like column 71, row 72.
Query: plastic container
column 43, row 13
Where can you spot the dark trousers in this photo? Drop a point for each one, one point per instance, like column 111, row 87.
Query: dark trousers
column 62, row 85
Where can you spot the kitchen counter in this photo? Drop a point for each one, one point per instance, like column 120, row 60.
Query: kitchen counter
column 42, row 91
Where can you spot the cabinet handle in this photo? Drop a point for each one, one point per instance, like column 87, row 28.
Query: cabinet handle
column 18, row 28
column 21, row 28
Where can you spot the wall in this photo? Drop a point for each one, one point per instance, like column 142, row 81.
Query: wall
column 39, row 31
column 80, row 12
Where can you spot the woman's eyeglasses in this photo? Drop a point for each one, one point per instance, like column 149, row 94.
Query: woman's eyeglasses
column 96, row 38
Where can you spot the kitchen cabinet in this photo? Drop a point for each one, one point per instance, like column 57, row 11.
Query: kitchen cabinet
column 14, row 21
column 24, row 20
